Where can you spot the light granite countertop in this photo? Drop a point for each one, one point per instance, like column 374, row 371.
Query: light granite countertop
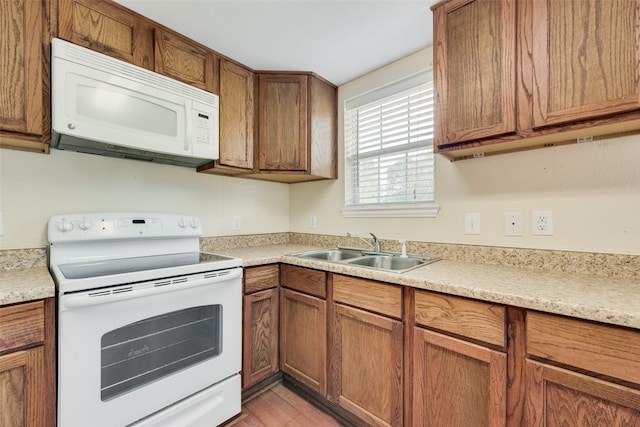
column 609, row 300
column 25, row 284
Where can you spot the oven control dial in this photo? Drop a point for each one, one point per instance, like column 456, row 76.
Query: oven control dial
column 65, row 226
column 193, row 223
column 182, row 223
column 85, row 224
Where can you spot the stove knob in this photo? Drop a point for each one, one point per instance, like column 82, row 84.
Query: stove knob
column 65, row 226
column 193, row 223
column 85, row 224
column 182, row 223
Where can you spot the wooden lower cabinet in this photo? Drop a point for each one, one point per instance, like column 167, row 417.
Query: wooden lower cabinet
column 457, row 383
column 366, row 366
column 559, row 397
column 459, row 362
column 366, row 355
column 303, row 338
column 27, row 364
column 581, row 373
column 260, row 320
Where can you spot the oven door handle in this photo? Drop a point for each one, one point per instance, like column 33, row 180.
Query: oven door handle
column 122, row 293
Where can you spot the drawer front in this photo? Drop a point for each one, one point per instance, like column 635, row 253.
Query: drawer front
column 369, row 295
column 305, row 280
column 603, row 349
column 22, row 325
column 261, row 278
column 466, row 317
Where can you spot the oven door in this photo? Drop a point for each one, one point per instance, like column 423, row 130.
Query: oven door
column 130, row 351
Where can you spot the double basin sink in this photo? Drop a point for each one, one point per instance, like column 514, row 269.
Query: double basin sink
column 385, row 261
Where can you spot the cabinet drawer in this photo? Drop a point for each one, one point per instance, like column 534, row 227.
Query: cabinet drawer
column 466, row 317
column 305, row 280
column 261, row 278
column 22, row 325
column 603, row 349
column 369, row 295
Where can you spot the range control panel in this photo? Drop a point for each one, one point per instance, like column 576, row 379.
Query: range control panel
column 106, row 226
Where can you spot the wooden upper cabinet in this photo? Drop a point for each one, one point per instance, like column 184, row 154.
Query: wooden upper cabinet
column 475, row 69
column 237, row 121
column 108, row 28
column 24, row 92
column 512, row 75
column 185, row 60
column 297, row 128
column 585, row 58
column 283, row 122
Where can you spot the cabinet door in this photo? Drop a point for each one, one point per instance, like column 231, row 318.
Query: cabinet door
column 457, row 383
column 260, row 318
column 108, row 28
column 22, row 389
column 474, row 69
column 303, row 339
column 366, row 366
column 558, row 397
column 585, row 58
column 21, row 63
column 237, row 89
column 181, row 59
column 283, row 122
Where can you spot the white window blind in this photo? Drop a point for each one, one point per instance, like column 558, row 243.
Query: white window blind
column 389, row 148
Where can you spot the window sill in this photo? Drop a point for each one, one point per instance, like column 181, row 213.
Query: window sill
column 425, row 210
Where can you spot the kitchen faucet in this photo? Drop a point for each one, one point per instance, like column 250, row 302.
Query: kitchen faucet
column 375, row 245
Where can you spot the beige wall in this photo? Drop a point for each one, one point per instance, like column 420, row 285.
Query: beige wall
column 593, row 190
column 36, row 186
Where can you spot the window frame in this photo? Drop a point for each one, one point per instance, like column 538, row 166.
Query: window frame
column 419, row 209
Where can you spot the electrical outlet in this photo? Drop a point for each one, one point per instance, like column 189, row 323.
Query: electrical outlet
column 237, row 221
column 313, row 221
column 513, row 224
column 472, row 223
column 542, row 223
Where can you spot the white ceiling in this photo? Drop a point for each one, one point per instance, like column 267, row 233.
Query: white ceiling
column 337, row 39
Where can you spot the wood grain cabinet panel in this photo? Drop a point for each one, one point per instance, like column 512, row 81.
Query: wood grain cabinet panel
column 260, row 324
column 585, row 58
column 306, row 280
column 260, row 343
column 303, row 339
column 475, row 69
column 27, row 364
column 465, row 317
column 108, row 28
column 237, row 121
column 25, row 118
column 558, row 397
column 512, row 75
column 297, row 138
column 457, row 383
column 584, row 373
column 367, row 365
column 183, row 59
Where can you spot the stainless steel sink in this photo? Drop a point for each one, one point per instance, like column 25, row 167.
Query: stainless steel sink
column 385, row 261
column 393, row 263
column 336, row 254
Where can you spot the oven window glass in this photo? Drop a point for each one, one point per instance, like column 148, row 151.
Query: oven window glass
column 145, row 351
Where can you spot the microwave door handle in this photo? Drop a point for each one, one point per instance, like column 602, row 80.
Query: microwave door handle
column 188, row 131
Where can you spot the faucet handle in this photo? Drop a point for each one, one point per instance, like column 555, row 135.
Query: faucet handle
column 404, row 248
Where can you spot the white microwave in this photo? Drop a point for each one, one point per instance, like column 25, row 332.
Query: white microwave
column 101, row 105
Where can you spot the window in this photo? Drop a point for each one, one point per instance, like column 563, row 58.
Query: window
column 389, row 164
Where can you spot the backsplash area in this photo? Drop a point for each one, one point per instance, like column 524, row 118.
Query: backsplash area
column 599, row 264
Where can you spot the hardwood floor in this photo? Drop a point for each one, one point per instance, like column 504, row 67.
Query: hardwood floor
column 280, row 407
